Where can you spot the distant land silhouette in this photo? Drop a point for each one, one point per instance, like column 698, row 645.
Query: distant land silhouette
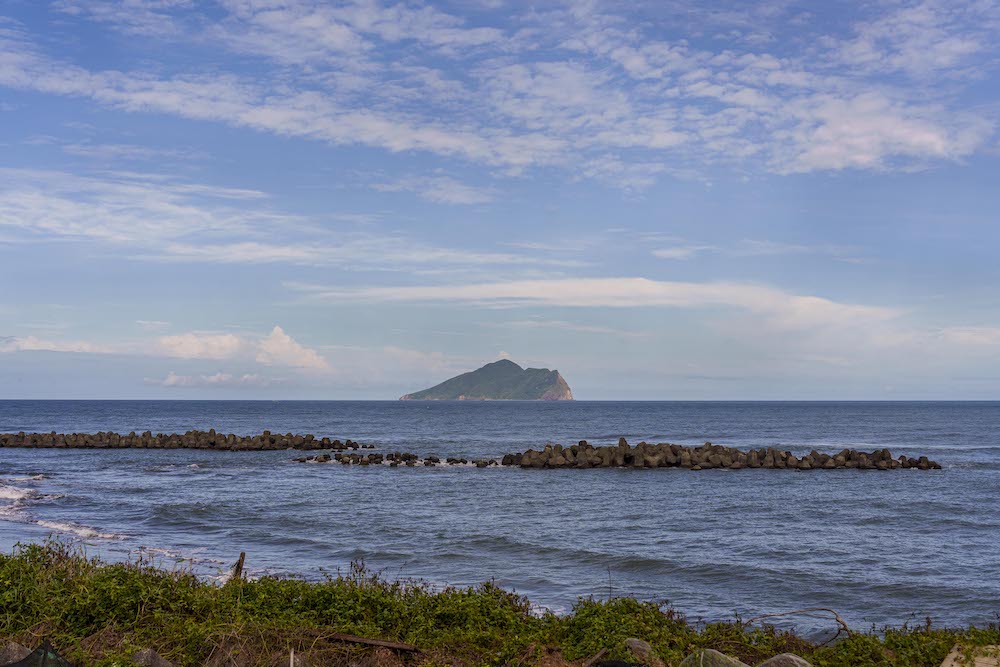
column 499, row 381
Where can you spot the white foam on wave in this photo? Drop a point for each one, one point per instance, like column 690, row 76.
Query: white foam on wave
column 78, row 530
column 12, row 512
column 15, row 493
column 31, row 478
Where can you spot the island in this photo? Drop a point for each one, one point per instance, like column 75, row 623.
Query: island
column 499, row 381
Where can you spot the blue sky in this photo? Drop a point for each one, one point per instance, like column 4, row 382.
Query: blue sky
column 299, row 199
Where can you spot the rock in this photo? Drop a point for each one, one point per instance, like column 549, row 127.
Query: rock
column 13, row 652
column 785, row 660
column 147, row 657
column 643, row 652
column 710, row 658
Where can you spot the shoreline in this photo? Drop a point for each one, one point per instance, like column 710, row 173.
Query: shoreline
column 99, row 613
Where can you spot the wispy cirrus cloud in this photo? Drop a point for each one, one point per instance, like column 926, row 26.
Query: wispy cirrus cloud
column 760, row 248
column 166, row 219
column 573, row 327
column 782, row 309
column 11, row 344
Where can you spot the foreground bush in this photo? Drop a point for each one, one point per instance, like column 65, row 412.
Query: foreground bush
column 96, row 613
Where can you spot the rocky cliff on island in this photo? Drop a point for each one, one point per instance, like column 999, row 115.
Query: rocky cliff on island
column 500, row 381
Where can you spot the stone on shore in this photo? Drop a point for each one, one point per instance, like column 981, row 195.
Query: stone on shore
column 711, row 658
column 147, row 657
column 643, row 652
column 12, row 652
column 984, row 656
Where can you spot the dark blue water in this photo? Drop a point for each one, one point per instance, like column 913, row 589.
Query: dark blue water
column 880, row 547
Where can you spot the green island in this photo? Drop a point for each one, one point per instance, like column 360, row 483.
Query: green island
column 99, row 613
column 499, row 381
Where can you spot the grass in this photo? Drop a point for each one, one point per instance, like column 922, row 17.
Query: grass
column 99, row 613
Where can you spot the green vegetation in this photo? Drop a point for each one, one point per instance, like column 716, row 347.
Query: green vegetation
column 100, row 614
column 501, row 380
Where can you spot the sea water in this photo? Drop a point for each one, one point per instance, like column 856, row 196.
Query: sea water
column 879, row 547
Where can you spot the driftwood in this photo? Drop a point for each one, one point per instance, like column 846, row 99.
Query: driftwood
column 592, row 660
column 399, row 646
column 238, row 567
column 844, row 628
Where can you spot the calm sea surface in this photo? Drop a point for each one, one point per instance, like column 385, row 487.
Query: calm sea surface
column 880, row 547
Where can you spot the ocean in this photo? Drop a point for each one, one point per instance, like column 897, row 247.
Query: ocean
column 881, row 548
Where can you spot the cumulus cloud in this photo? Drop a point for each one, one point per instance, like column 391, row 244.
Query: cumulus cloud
column 280, row 349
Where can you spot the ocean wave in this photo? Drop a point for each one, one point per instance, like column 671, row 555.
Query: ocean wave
column 75, row 529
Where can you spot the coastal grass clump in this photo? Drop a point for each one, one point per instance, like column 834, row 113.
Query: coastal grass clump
column 97, row 613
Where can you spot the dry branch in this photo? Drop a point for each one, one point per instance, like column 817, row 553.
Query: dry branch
column 399, row 646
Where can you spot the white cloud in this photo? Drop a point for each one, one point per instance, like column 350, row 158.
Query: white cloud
column 202, row 346
column 972, row 336
column 216, row 380
column 121, row 207
column 596, row 94
column 119, row 152
column 870, row 131
column 170, row 220
column 11, row 344
column 280, row 349
column 576, row 327
column 152, row 325
column 920, row 39
column 782, row 309
column 760, row 248
column 149, row 18
column 439, row 189
column 681, row 252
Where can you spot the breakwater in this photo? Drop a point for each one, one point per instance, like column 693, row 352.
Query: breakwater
column 708, row 456
column 581, row 455
column 190, row 440
column 646, row 455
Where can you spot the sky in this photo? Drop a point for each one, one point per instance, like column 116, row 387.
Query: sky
column 663, row 200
